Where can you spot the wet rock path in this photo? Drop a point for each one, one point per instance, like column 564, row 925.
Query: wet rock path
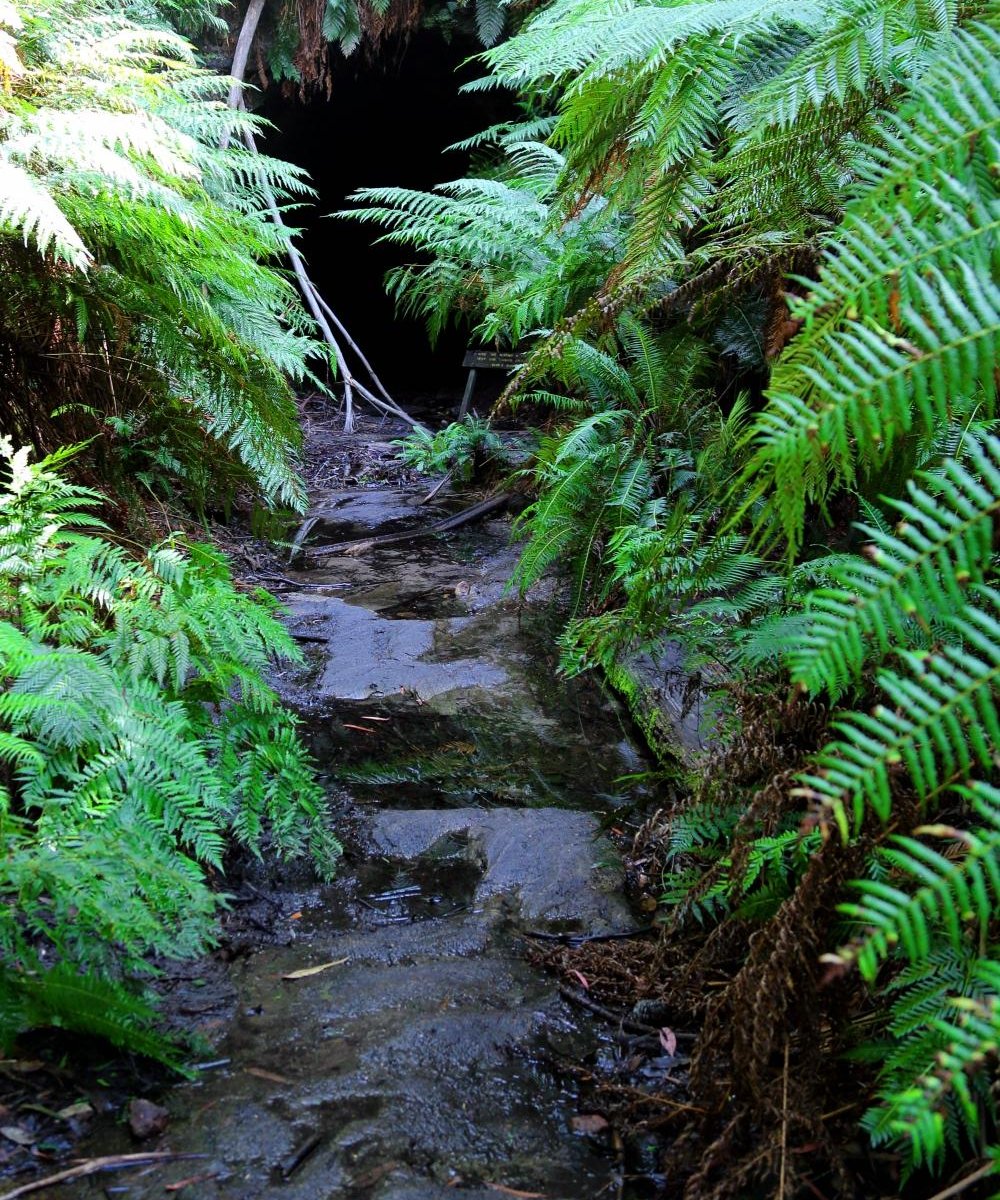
column 416, row 1064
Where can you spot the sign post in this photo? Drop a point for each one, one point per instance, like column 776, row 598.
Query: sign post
column 486, row 360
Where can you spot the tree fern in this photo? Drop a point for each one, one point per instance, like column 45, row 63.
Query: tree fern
column 110, row 146
column 495, row 253
column 738, row 119
column 598, row 477
column 901, row 329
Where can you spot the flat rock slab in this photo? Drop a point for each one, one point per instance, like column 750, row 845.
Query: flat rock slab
column 371, row 656
column 367, row 512
column 551, row 860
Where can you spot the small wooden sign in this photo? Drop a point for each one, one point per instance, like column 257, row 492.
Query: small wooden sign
column 493, row 360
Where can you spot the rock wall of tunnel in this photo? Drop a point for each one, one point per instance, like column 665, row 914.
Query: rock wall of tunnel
column 387, row 123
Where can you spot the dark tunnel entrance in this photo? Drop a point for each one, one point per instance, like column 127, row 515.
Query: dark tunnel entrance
column 386, row 123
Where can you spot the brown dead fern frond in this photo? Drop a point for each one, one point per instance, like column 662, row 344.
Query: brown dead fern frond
column 737, row 1068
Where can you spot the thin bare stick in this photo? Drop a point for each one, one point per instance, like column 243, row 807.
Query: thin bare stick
column 955, row 1189
column 436, row 488
column 309, row 293
column 390, row 407
column 91, row 1166
column 622, row 1020
column 467, row 516
column 300, row 537
column 379, row 385
column 248, row 31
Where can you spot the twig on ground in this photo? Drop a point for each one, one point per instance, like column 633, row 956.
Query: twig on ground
column 437, row 487
column 609, row 1014
column 955, row 1189
column 91, row 1166
column 475, row 513
column 581, row 939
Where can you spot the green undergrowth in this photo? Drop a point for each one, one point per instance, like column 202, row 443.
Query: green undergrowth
column 464, row 449
column 139, row 739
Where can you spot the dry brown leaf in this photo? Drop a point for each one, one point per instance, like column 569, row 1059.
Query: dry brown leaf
column 83, row 1109
column 14, row 1133
column 305, row 972
column 668, row 1040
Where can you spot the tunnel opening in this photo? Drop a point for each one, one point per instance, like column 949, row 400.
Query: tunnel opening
column 387, row 122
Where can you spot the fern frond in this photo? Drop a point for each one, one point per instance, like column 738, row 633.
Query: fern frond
column 902, row 328
column 943, row 1106
column 28, row 209
column 940, row 722
column 908, row 580
column 955, row 896
column 61, row 997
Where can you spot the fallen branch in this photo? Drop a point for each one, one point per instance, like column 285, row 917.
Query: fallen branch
column 390, row 407
column 314, row 301
column 356, row 348
column 112, row 1162
column 466, row 517
column 956, row 1188
column 609, row 1014
column 581, row 939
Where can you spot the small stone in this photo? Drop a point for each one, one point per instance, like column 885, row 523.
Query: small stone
column 591, row 1124
column 146, row 1119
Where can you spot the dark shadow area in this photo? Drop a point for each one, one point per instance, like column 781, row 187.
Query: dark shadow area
column 387, row 123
